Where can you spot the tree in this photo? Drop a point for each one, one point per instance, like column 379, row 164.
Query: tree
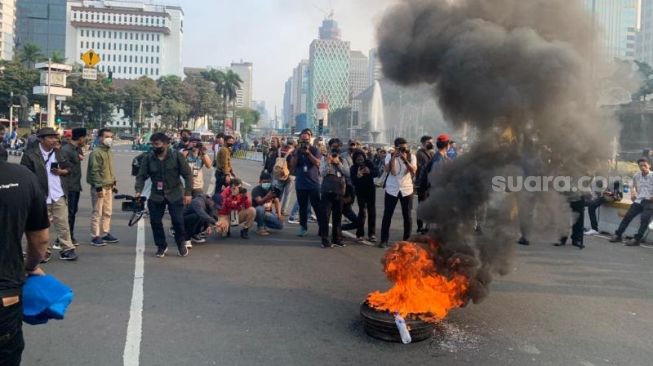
column 93, row 101
column 20, row 80
column 58, row 58
column 172, row 105
column 201, row 97
column 250, row 117
column 144, row 90
column 30, row 54
column 232, row 82
column 645, row 72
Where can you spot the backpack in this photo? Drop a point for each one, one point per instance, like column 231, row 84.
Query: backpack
column 280, row 171
column 137, row 162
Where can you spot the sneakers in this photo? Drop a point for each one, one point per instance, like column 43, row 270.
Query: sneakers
column 383, row 244
column 302, row 232
column 326, row 244
column 244, row 233
column 293, row 220
column 98, row 242
column 263, row 232
column 616, row 239
column 183, row 250
column 578, row 245
column 56, row 245
column 68, row 255
column 312, row 219
column 48, row 255
column 372, row 239
column 161, row 252
column 591, row 232
column 632, row 242
column 523, row 241
column 197, row 239
column 340, row 243
column 110, row 239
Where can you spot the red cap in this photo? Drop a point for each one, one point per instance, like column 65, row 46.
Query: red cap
column 443, row 138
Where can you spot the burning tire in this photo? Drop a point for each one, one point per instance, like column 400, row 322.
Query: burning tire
column 381, row 325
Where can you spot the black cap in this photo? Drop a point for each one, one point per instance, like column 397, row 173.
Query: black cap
column 307, row 130
column 265, row 176
column 47, row 131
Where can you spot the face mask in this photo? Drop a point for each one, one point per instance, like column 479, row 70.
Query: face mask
column 429, row 146
column 235, row 191
column 229, row 145
column 266, row 186
column 361, row 162
column 158, row 150
column 108, row 142
column 185, row 139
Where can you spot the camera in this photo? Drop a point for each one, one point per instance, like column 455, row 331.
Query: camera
column 304, row 145
column 54, row 166
column 335, row 153
column 402, row 149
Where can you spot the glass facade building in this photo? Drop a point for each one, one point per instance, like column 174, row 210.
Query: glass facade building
column 617, row 21
column 43, row 23
column 328, row 71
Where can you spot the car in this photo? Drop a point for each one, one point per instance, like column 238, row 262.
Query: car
column 125, row 135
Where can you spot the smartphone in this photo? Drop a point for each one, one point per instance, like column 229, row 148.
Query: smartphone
column 54, row 165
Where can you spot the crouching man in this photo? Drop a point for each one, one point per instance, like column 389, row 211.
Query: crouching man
column 236, row 208
column 200, row 216
column 265, row 199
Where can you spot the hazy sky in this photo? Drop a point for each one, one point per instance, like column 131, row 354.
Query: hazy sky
column 273, row 34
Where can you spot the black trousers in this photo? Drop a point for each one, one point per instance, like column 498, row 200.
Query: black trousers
column 421, row 196
column 193, row 225
column 11, row 334
column 366, row 207
column 73, row 206
column 176, row 210
column 303, row 197
column 591, row 210
column 349, row 213
column 645, row 209
column 331, row 204
column 389, row 209
column 220, row 181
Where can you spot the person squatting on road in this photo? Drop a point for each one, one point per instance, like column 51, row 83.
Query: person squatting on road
column 73, row 152
column 236, row 209
column 101, row 177
column 23, row 210
column 333, row 190
column 164, row 166
column 200, row 216
column 642, row 197
column 265, row 199
column 49, row 166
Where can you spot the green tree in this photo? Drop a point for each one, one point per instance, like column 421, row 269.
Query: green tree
column 30, row 54
column 201, row 97
column 142, row 92
column 58, row 58
column 172, row 107
column 250, row 118
column 93, row 101
column 339, row 121
column 645, row 72
column 20, row 80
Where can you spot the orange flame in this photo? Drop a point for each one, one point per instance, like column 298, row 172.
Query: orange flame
column 418, row 289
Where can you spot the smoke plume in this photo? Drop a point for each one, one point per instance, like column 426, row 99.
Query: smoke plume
column 521, row 74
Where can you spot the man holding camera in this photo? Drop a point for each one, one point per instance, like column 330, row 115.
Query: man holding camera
column 265, row 199
column 333, row 190
column 100, row 176
column 305, row 162
column 236, row 208
column 49, row 166
column 197, row 159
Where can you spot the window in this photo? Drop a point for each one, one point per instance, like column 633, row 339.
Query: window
column 130, row 69
column 141, row 70
column 92, row 16
column 109, row 34
column 120, row 46
column 92, row 33
column 141, row 60
column 114, row 18
column 86, row 16
column 158, row 37
column 157, row 72
column 102, row 17
column 157, row 49
column 119, row 69
column 152, row 71
column 157, row 21
column 146, row 73
column 147, row 20
column 119, row 58
column 147, row 48
column 104, row 45
column 104, row 34
column 130, row 19
column 115, row 35
column 147, row 60
column 86, row 44
column 92, row 44
column 131, row 48
column 141, row 48
column 157, row 60
column 130, row 58
column 81, row 45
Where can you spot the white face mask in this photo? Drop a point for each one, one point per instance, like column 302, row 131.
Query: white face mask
column 108, row 142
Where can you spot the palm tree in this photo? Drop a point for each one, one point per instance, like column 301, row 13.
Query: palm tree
column 58, row 58
column 30, row 55
column 232, row 82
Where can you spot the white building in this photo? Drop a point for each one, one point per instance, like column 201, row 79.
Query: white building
column 358, row 82
column 374, row 71
column 246, row 72
column 133, row 38
column 7, row 29
column 299, row 91
column 617, row 23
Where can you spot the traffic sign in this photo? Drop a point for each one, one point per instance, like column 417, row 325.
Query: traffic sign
column 89, row 73
column 91, row 58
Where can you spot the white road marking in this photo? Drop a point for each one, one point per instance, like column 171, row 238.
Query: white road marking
column 131, row 354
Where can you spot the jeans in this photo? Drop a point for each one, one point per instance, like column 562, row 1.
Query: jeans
column 591, row 210
column 331, row 205
column 303, row 198
column 421, row 196
column 389, row 209
column 349, row 213
column 645, row 209
column 11, row 334
column 366, row 205
column 267, row 219
column 193, row 225
column 176, row 210
column 73, row 206
column 288, row 188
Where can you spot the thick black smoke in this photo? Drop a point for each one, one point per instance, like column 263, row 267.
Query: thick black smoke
column 521, row 73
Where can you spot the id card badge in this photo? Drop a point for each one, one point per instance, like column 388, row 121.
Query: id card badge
column 159, row 186
column 196, row 172
column 338, row 175
column 234, row 218
column 305, row 169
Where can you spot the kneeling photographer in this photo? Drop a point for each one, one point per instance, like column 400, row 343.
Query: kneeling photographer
column 236, row 209
column 266, row 201
column 200, row 216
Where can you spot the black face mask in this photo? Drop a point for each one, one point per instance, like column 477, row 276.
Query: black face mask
column 229, row 144
column 185, row 139
column 429, row 146
column 159, row 150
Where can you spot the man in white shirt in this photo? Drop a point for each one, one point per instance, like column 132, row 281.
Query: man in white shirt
column 401, row 166
column 642, row 197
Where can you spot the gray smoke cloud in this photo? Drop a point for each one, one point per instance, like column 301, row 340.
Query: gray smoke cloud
column 527, row 66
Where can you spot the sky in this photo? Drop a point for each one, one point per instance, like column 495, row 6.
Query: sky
column 273, row 34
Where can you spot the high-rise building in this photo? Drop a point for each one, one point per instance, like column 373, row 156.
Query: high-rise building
column 299, row 95
column 246, row 72
column 617, row 21
column 7, row 29
column 133, row 38
column 645, row 35
column 374, row 71
column 287, row 103
column 358, row 82
column 42, row 23
column 328, row 71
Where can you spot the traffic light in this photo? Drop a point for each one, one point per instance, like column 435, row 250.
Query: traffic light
column 58, row 120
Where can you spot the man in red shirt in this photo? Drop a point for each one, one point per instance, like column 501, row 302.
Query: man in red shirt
column 236, row 208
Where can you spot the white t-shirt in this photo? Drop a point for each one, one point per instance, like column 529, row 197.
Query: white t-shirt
column 644, row 186
column 196, row 164
column 400, row 179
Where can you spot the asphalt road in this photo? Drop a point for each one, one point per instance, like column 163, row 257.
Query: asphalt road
column 282, row 300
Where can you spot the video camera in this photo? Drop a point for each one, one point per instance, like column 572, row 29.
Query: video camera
column 135, row 205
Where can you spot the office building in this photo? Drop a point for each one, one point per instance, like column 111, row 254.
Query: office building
column 358, row 82
column 133, row 38
column 246, row 72
column 617, row 22
column 7, row 29
column 42, row 23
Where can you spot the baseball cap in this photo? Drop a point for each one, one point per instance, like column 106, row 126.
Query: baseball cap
column 443, row 138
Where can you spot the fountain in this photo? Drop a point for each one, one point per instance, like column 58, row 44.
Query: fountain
column 377, row 115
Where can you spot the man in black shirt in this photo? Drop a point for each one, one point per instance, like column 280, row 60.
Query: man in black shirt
column 22, row 211
column 73, row 152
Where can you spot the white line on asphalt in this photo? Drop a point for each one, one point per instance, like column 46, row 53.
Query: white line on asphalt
column 131, row 354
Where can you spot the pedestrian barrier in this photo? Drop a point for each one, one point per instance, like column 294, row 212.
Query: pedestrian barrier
column 14, row 152
column 248, row 155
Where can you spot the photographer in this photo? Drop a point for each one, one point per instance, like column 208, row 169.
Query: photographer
column 201, row 215
column 401, row 165
column 236, row 208
column 305, row 162
column 265, row 199
column 362, row 175
column 333, row 189
column 197, row 159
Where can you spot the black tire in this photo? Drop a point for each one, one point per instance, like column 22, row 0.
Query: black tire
column 381, row 325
